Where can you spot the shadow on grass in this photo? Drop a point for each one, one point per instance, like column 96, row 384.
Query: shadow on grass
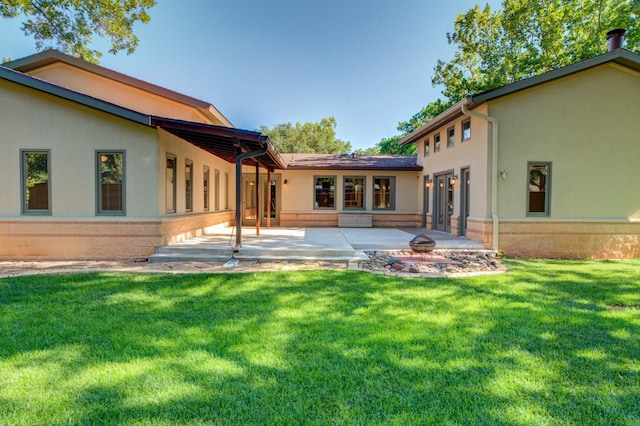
column 537, row 345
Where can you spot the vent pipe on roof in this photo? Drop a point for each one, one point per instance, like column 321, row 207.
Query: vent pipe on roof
column 615, row 38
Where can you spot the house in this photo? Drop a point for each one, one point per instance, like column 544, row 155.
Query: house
column 97, row 164
column 544, row 167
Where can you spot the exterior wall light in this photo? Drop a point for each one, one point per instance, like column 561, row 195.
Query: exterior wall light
column 455, row 180
column 428, row 183
column 503, row 174
column 285, row 183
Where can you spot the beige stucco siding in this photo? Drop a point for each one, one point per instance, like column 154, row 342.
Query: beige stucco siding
column 587, row 126
column 183, row 151
column 73, row 133
column 473, row 153
column 121, row 94
column 299, row 195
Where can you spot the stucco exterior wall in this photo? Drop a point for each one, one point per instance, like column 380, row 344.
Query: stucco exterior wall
column 473, row 153
column 183, row 151
column 120, row 94
column 298, row 198
column 73, row 133
column 587, row 126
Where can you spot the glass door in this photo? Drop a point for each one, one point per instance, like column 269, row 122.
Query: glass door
column 443, row 202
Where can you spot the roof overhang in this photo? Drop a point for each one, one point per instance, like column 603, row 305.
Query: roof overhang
column 449, row 114
column 224, row 142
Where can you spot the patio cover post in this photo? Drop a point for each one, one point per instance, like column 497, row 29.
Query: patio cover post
column 239, row 159
column 258, row 214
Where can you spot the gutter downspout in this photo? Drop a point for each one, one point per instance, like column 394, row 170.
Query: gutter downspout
column 239, row 160
column 494, row 170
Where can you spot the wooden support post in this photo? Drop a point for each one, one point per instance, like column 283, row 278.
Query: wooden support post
column 258, row 209
column 268, row 199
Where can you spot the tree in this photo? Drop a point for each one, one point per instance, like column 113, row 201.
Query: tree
column 319, row 138
column 69, row 25
column 523, row 39
column 529, row 37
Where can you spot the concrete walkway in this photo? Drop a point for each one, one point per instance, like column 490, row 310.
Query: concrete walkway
column 335, row 244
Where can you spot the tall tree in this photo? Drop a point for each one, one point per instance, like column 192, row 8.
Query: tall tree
column 319, row 138
column 69, row 25
column 522, row 39
column 529, row 37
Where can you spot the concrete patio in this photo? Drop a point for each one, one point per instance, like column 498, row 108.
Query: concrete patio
column 335, row 244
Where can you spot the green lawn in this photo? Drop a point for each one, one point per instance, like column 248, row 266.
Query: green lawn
column 550, row 342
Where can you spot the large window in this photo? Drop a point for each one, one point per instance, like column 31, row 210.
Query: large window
column 36, row 182
column 325, row 192
column 354, row 192
column 110, row 169
column 205, row 186
column 426, row 147
column 171, row 184
column 451, row 137
column 466, row 130
column 188, row 185
column 436, row 143
column 384, row 192
column 538, row 189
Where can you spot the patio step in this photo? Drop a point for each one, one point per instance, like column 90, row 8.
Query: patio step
column 190, row 253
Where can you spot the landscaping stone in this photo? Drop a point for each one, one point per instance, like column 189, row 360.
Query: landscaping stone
column 439, row 263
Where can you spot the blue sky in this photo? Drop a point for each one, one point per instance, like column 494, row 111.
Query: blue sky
column 368, row 63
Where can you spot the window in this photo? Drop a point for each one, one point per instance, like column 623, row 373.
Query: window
column 538, row 189
column 451, row 137
column 171, row 184
column 354, row 192
column 426, row 147
column 188, row 185
column 205, row 188
column 216, row 189
column 466, row 130
column 36, row 182
column 384, row 192
column 436, row 143
column 226, row 190
column 110, row 194
column 325, row 192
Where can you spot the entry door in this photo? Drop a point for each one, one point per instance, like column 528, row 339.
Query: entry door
column 443, row 203
column 465, row 183
column 269, row 195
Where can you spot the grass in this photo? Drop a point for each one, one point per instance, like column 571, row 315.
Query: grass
column 550, row 342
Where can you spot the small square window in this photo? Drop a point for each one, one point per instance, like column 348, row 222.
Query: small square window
column 436, row 143
column 426, row 147
column 466, row 130
column 451, row 137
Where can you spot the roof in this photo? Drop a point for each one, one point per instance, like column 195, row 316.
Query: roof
column 224, row 142
column 51, row 56
column 64, row 93
column 351, row 162
column 620, row 56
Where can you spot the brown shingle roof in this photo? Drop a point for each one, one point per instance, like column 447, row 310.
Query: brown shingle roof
column 351, row 162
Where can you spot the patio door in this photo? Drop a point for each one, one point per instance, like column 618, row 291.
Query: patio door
column 443, row 202
column 269, row 202
column 465, row 183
